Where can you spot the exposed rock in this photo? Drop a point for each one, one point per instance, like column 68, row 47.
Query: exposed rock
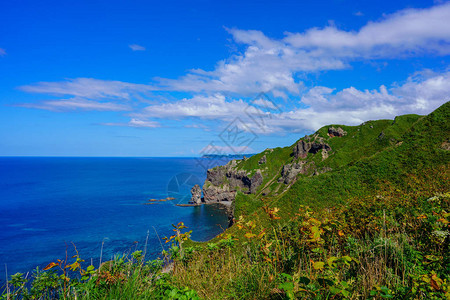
column 302, row 148
column 290, row 171
column 212, row 193
column 445, row 145
column 324, row 154
column 196, row 192
column 256, row 181
column 339, row 132
column 316, row 147
column 222, row 182
column 263, row 160
column 381, row 135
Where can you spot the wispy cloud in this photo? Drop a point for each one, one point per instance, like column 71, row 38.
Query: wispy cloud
column 136, row 123
column 205, row 107
column 89, row 88
column 2, row 52
column 136, row 47
column 76, row 104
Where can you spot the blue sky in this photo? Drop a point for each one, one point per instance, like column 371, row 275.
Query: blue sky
column 173, row 78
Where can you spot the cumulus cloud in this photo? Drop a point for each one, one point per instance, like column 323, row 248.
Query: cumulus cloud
column 420, row 93
column 408, row 31
column 136, row 47
column 206, row 107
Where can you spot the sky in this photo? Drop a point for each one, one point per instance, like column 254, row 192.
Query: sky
column 187, row 78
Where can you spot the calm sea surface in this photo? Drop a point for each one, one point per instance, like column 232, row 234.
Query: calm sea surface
column 48, row 203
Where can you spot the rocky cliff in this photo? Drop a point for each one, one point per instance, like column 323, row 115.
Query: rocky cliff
column 247, row 175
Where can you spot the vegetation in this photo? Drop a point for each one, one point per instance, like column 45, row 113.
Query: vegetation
column 375, row 227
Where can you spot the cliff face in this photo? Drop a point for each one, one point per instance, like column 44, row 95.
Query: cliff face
column 223, row 182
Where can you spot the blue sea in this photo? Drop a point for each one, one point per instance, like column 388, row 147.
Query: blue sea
column 46, row 204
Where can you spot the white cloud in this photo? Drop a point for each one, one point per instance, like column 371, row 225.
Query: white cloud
column 88, row 88
column 205, row 107
column 2, row 52
column 136, row 47
column 359, row 14
column 136, row 123
column 270, row 65
column 408, row 31
column 76, row 104
column 420, row 94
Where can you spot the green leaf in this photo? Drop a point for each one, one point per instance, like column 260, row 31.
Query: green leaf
column 286, row 286
column 331, row 260
column 318, row 265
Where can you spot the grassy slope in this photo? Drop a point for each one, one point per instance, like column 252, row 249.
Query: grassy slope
column 359, row 161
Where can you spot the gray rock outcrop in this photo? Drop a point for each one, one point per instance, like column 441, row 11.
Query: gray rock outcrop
column 196, row 192
column 339, row 132
column 290, row 171
column 302, row 148
column 222, row 182
column 263, row 160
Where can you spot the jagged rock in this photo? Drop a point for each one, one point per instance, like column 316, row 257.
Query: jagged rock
column 302, row 148
column 339, row 132
column 290, row 171
column 212, row 193
column 196, row 192
column 256, row 181
column 215, row 175
column 445, row 145
column 222, row 182
column 316, row 147
column 263, row 160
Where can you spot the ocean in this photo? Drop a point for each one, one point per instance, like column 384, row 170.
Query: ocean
column 48, row 203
